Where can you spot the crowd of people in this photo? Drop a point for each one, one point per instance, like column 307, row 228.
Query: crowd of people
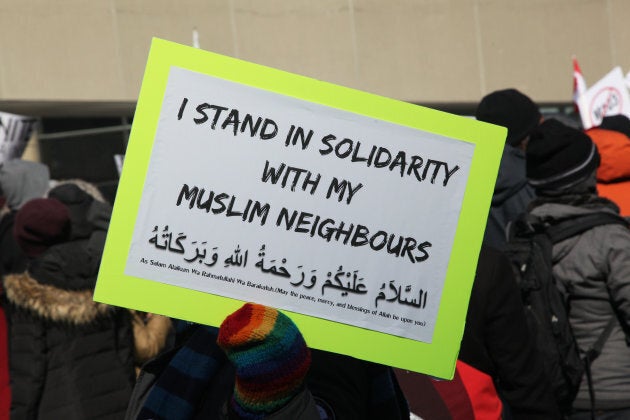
column 64, row 356
column 554, row 173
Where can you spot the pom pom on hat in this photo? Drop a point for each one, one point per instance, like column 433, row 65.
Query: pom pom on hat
column 511, row 109
column 559, row 157
column 270, row 356
column 41, row 223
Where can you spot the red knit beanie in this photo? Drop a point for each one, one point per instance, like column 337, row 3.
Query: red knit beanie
column 41, row 223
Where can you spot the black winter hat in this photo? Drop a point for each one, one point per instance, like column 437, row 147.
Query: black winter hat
column 511, row 109
column 559, row 157
column 619, row 123
column 78, row 203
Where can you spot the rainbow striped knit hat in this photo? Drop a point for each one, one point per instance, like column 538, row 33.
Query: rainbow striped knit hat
column 270, row 357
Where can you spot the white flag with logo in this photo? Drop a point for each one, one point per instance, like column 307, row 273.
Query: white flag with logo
column 609, row 96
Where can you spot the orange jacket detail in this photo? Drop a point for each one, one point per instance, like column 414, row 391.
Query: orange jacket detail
column 613, row 174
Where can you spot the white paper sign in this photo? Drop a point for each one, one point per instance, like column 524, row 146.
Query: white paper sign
column 15, row 131
column 609, row 96
column 262, row 197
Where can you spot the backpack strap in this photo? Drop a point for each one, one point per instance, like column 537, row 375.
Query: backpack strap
column 576, row 225
column 591, row 355
column 597, row 347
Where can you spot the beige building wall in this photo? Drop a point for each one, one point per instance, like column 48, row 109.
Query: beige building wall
column 427, row 51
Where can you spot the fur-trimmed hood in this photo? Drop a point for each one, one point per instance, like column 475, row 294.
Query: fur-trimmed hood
column 150, row 335
column 75, row 307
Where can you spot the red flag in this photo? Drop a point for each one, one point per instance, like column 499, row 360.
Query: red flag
column 579, row 84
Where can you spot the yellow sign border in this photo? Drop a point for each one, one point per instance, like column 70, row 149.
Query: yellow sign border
column 437, row 358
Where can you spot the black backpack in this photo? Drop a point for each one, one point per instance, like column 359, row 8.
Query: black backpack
column 529, row 248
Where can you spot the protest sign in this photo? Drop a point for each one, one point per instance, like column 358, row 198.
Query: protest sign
column 358, row 215
column 609, row 96
column 15, row 131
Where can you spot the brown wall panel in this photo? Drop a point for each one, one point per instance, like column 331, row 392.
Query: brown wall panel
column 429, row 51
column 56, row 50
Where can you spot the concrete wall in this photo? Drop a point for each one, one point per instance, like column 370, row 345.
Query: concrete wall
column 428, row 51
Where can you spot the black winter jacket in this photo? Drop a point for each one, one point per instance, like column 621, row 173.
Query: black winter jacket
column 12, row 259
column 511, row 196
column 497, row 342
column 70, row 357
